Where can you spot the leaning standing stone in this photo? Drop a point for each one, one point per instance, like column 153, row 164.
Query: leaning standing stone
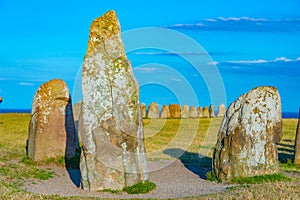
column 110, row 124
column 205, row 112
column 175, row 111
column 51, row 129
column 297, row 143
column 153, row 111
column 165, row 112
column 247, row 138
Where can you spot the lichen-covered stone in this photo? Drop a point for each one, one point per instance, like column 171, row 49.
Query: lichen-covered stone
column 153, row 111
column 205, row 112
column 193, row 112
column 143, row 110
column 175, row 111
column 185, row 112
column 211, row 111
column 297, row 143
column 200, row 112
column 165, row 112
column 110, row 123
column 221, row 110
column 246, row 144
column 51, row 129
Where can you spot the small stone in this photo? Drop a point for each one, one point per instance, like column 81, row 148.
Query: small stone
column 211, row 111
column 153, row 111
column 175, row 111
column 205, row 112
column 51, row 129
column 248, row 136
column 200, row 112
column 143, row 110
column 165, row 112
column 185, row 113
column 221, row 110
column 193, row 112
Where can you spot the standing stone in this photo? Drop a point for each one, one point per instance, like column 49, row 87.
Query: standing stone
column 246, row 144
column 297, row 143
column 211, row 111
column 200, row 112
column 205, row 112
column 153, row 111
column 175, row 111
column 143, row 110
column 193, row 112
column 51, row 129
column 221, row 110
column 185, row 113
column 110, row 124
column 76, row 114
column 165, row 112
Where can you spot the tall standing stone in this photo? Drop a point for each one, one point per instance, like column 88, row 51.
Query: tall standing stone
column 246, row 144
column 221, row 110
column 193, row 112
column 205, row 112
column 51, row 129
column 211, row 111
column 200, row 112
column 110, row 124
column 165, row 112
column 143, row 110
column 175, row 111
column 185, row 113
column 297, row 143
column 153, row 111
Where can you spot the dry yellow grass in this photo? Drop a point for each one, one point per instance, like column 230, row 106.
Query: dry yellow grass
column 164, row 140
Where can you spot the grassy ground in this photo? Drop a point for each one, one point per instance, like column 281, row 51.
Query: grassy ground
column 190, row 140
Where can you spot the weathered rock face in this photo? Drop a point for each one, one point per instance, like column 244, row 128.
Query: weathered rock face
column 193, row 112
column 247, row 138
column 185, row 112
column 175, row 111
column 165, row 112
column 297, row 143
column 200, row 112
column 143, row 110
column 51, row 129
column 153, row 111
column 221, row 110
column 211, row 111
column 110, row 124
column 205, row 112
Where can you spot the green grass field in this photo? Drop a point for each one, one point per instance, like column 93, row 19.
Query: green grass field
column 185, row 139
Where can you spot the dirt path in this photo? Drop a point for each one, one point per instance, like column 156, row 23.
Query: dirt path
column 172, row 178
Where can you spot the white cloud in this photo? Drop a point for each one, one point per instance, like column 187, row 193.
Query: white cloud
column 213, row 63
column 146, row 69
column 284, row 59
column 242, row 19
column 26, row 84
column 210, row 20
column 259, row 61
column 249, row 61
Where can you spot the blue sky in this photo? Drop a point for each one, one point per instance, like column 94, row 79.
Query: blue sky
column 250, row 43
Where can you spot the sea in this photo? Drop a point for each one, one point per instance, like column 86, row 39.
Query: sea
column 284, row 114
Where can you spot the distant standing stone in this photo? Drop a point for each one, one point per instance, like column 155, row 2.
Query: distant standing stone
column 110, row 123
column 246, row 144
column 200, row 112
column 76, row 110
column 205, row 112
column 297, row 143
column 143, row 110
column 221, row 110
column 211, row 111
column 193, row 112
column 185, row 113
column 51, row 129
column 153, row 111
column 165, row 112
column 175, row 111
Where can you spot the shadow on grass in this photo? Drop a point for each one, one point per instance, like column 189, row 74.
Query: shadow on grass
column 286, row 151
column 196, row 163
